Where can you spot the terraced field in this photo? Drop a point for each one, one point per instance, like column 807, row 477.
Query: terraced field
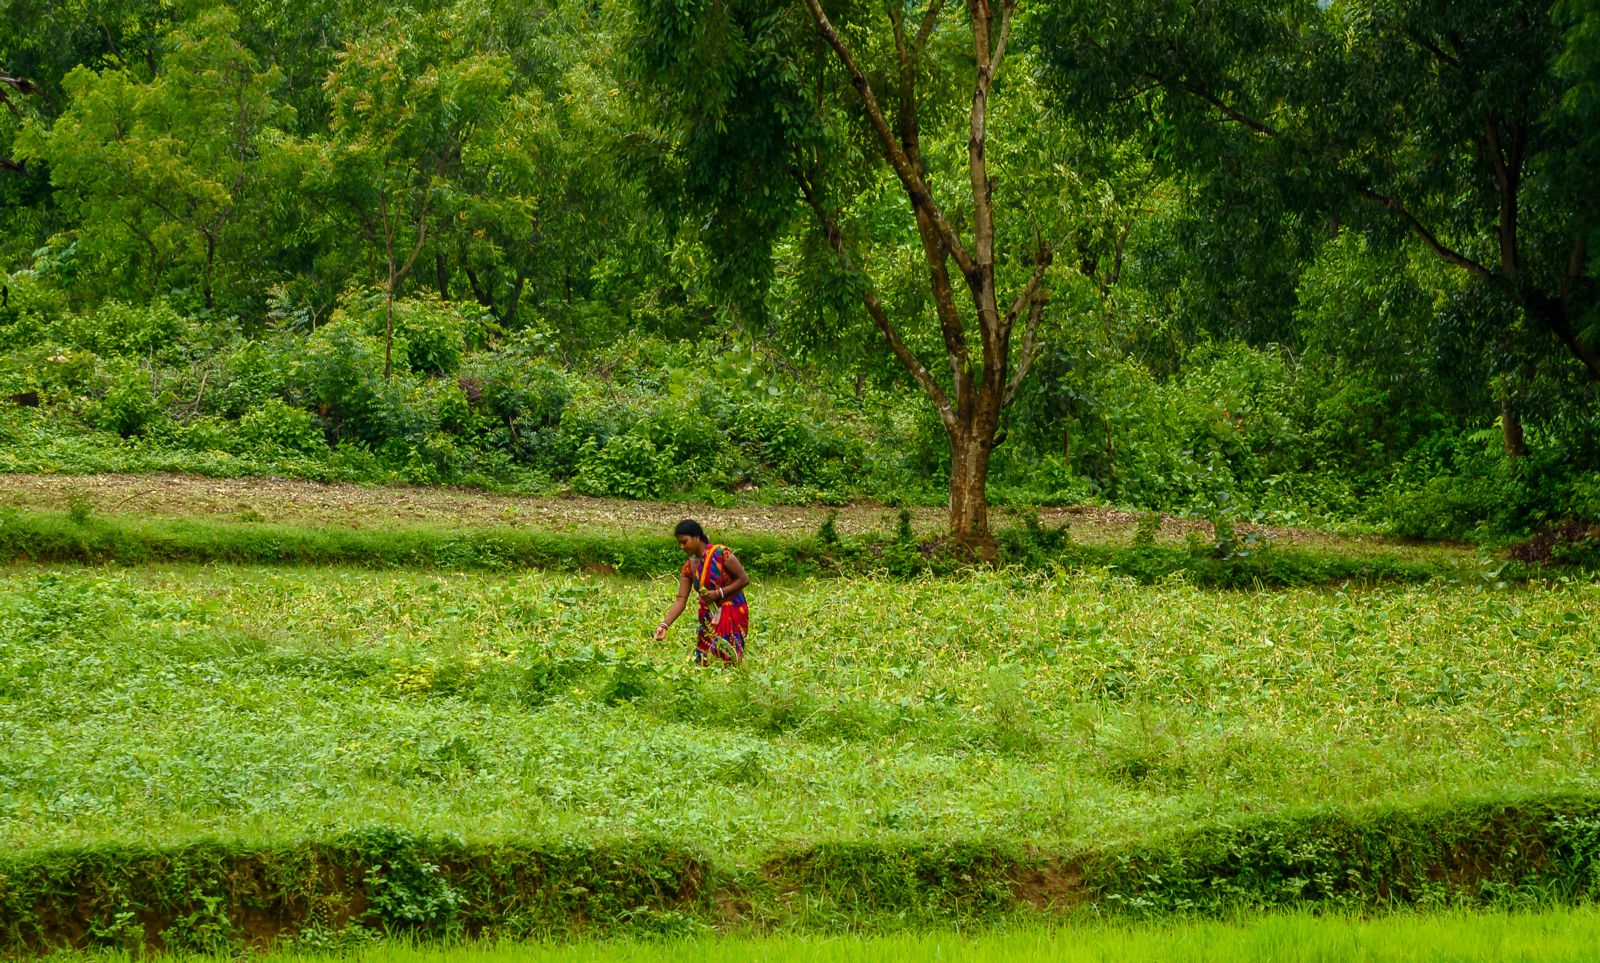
column 202, row 755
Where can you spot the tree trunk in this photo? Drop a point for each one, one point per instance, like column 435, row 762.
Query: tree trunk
column 1511, row 429
column 969, row 504
column 211, row 257
column 1510, row 420
column 443, row 274
column 510, row 317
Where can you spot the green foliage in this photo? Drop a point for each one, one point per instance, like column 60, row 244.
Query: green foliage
column 217, row 204
column 127, row 402
column 274, row 426
column 628, row 465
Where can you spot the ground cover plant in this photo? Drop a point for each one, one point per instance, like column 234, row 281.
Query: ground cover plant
column 167, row 702
column 880, row 726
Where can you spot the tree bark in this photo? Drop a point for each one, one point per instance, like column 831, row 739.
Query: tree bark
column 1511, row 427
column 969, row 504
column 510, row 317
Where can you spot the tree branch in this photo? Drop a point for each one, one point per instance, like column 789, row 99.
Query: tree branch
column 903, row 353
column 1007, row 8
column 1507, row 171
column 1030, row 350
column 1431, row 47
column 1418, row 228
column 1041, row 264
column 929, row 19
column 982, row 281
column 934, row 252
column 1204, row 93
column 915, row 186
column 1575, row 265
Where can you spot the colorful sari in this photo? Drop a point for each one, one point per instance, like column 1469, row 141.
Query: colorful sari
column 722, row 625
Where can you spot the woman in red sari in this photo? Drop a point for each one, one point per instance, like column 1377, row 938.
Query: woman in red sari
column 720, row 580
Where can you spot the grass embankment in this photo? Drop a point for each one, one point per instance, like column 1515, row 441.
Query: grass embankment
column 133, row 520
column 84, row 537
column 922, row 750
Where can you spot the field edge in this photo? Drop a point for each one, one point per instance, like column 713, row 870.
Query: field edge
column 1529, row 850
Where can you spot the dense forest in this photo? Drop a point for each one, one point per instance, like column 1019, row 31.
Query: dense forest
column 1273, row 260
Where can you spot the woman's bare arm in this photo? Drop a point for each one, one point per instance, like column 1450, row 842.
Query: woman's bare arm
column 738, row 581
column 684, row 583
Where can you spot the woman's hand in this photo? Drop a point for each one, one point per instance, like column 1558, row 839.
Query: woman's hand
column 661, row 632
column 712, row 596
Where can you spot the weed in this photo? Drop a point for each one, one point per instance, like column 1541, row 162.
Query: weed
column 80, row 506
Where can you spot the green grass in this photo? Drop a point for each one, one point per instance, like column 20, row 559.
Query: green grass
column 190, row 748
column 166, row 703
column 1551, row 936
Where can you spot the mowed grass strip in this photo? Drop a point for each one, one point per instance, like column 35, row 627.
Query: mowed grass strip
column 1550, row 936
column 168, row 703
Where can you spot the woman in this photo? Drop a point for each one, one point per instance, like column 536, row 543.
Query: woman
column 720, row 579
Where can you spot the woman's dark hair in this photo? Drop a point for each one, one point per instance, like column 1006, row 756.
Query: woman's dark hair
column 691, row 527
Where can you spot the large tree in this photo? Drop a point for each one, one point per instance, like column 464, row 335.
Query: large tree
column 828, row 111
column 1456, row 126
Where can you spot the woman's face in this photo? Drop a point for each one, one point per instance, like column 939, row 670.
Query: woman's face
column 689, row 544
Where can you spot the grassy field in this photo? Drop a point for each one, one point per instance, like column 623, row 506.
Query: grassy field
column 1549, row 937
column 219, row 754
column 161, row 703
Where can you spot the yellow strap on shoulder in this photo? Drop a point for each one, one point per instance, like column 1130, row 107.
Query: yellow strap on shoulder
column 705, row 564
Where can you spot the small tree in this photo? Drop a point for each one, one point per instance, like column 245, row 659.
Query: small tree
column 400, row 114
column 165, row 171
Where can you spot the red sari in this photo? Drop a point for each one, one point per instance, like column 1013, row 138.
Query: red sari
column 722, row 625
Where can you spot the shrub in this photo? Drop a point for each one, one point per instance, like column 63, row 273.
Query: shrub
column 128, row 403
column 274, row 426
column 781, row 437
column 205, row 433
column 135, row 330
column 630, row 466
column 249, row 373
column 430, row 335
column 688, row 435
column 341, row 377
column 521, row 401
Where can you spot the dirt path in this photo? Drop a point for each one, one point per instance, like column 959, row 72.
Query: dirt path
column 291, row 501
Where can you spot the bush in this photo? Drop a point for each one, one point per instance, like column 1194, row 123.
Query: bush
column 629, row 466
column 250, row 373
column 128, row 404
column 205, row 433
column 140, row 331
column 341, row 377
column 430, row 335
column 781, row 437
column 518, row 401
column 274, row 426
column 690, row 437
